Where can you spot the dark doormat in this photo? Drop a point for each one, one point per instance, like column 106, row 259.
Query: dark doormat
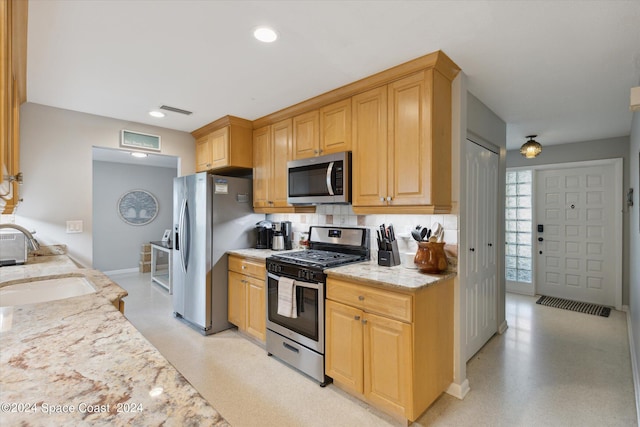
column 581, row 307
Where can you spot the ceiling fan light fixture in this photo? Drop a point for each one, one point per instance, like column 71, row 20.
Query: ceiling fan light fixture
column 265, row 34
column 531, row 148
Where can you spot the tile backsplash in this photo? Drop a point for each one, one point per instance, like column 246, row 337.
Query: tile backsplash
column 342, row 215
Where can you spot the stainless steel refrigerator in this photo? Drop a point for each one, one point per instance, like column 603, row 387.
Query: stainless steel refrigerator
column 211, row 215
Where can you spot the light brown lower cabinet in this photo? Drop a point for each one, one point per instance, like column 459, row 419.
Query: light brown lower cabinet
column 393, row 349
column 247, row 296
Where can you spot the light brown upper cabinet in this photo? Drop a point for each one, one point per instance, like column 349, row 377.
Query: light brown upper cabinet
column 13, row 86
column 402, row 146
column 271, row 152
column 370, row 151
column 261, row 167
column 323, row 131
column 306, row 135
column 224, row 145
column 335, row 127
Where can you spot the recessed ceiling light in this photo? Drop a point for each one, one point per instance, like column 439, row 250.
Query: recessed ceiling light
column 138, row 154
column 265, row 34
column 158, row 114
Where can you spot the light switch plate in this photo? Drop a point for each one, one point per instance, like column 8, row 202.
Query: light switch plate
column 74, row 226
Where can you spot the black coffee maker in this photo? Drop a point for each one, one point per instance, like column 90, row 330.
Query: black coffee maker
column 287, row 233
column 264, row 230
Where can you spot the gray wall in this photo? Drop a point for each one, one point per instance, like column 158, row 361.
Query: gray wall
column 611, row 148
column 56, row 156
column 634, row 252
column 116, row 244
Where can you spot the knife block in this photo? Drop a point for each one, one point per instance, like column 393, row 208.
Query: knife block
column 389, row 258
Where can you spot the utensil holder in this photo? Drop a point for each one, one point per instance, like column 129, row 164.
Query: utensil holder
column 389, row 258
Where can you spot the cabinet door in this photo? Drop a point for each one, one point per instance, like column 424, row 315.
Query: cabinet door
column 219, row 141
column 409, row 148
column 236, row 304
column 261, row 166
column 281, row 134
column 306, row 135
column 203, row 154
column 335, row 127
column 10, row 151
column 369, row 132
column 256, row 309
column 343, row 352
column 387, row 362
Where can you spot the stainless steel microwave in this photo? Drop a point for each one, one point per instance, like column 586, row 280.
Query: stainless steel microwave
column 318, row 180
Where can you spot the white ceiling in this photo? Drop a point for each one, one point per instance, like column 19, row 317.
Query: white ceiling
column 559, row 69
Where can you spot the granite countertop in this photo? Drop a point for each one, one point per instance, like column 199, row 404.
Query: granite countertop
column 258, row 254
column 78, row 361
column 398, row 277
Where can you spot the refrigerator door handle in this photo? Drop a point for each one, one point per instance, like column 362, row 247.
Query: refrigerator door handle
column 183, row 249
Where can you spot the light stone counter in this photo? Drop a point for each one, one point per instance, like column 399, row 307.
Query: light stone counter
column 258, row 254
column 398, row 277
column 365, row 272
column 78, row 361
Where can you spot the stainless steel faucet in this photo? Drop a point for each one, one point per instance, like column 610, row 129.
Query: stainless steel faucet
column 31, row 241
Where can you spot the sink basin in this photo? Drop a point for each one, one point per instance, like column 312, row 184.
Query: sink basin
column 43, row 290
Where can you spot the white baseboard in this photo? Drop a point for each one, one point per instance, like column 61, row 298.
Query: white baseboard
column 123, row 271
column 459, row 391
column 634, row 364
column 503, row 327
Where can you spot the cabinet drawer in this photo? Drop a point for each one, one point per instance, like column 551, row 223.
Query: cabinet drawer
column 247, row 267
column 372, row 300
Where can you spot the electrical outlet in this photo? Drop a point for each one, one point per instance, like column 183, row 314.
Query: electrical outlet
column 74, row 226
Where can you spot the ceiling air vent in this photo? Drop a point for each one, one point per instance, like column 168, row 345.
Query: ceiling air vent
column 175, row 110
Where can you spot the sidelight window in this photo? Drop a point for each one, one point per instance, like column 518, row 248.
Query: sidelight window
column 518, row 225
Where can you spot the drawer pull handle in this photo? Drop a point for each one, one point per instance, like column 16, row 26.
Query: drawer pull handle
column 357, row 317
column 361, row 297
column 364, row 321
column 289, row 347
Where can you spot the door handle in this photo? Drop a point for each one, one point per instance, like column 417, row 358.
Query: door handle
column 329, row 174
column 183, row 209
column 290, row 347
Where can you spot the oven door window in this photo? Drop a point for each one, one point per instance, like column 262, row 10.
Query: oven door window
column 307, row 299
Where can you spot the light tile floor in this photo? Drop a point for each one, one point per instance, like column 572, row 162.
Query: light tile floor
column 552, row 367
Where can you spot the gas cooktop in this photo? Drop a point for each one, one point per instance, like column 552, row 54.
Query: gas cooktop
column 329, row 247
column 313, row 257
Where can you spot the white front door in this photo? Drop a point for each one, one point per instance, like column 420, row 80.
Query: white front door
column 576, row 249
column 480, row 266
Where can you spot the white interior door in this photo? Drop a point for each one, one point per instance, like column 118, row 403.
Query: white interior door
column 576, row 258
column 481, row 236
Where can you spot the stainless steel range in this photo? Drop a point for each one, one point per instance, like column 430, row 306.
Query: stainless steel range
column 295, row 326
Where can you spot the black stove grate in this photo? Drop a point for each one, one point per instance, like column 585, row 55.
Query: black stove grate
column 318, row 258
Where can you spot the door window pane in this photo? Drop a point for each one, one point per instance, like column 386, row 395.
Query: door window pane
column 518, row 225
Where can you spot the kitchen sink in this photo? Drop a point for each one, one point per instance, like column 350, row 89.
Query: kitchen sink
column 44, row 289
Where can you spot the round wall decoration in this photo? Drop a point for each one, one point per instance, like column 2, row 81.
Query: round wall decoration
column 137, row 207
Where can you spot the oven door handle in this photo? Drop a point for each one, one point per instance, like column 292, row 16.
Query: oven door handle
column 299, row 283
